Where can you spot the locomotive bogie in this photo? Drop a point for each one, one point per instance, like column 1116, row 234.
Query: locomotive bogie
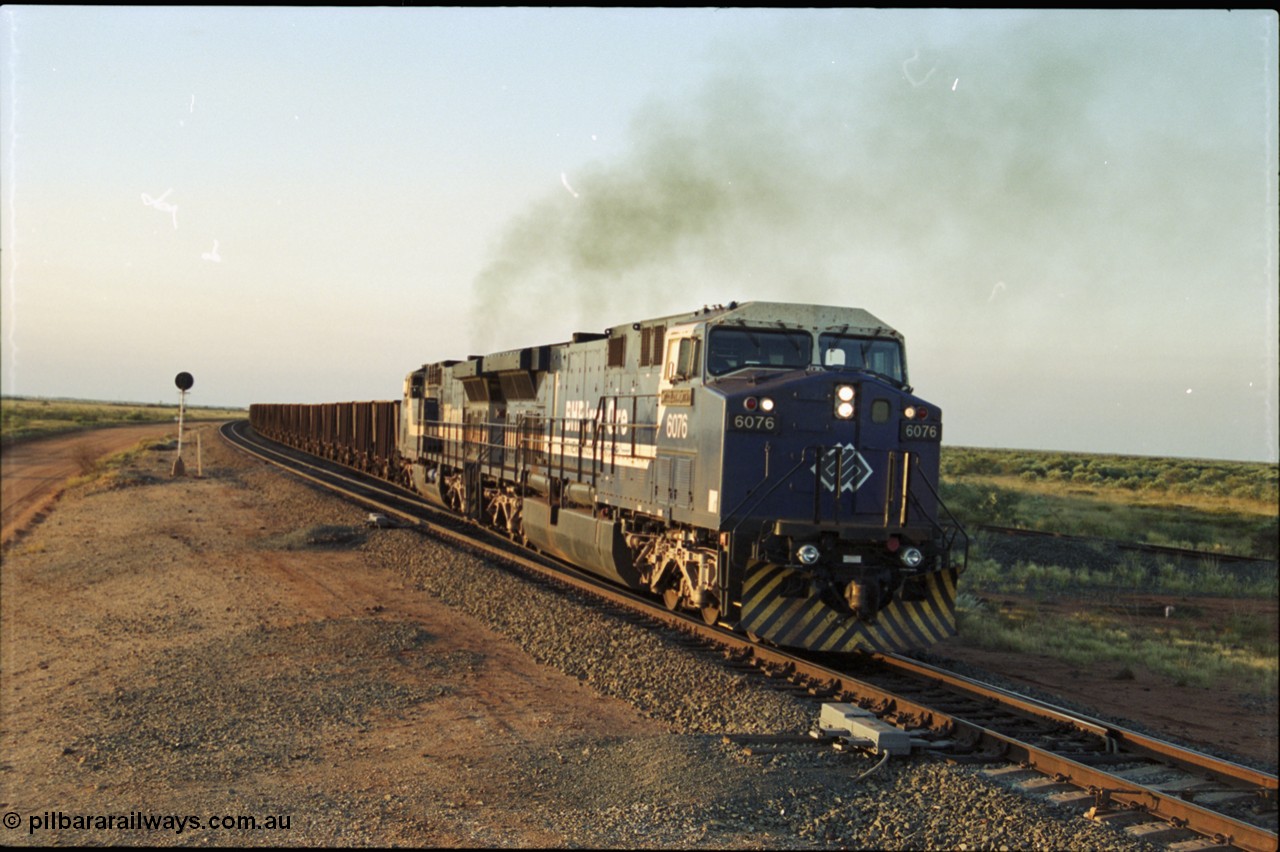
column 764, row 464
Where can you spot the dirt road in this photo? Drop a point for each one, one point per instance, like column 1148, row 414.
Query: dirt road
column 34, row 473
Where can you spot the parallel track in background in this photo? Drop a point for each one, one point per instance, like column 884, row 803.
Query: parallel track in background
column 1141, row 547
column 1175, row 795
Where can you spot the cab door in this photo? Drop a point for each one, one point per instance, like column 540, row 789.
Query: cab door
column 672, row 473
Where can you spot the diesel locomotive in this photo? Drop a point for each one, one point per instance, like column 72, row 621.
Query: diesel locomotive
column 766, row 465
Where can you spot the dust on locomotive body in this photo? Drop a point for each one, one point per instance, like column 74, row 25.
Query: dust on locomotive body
column 764, row 464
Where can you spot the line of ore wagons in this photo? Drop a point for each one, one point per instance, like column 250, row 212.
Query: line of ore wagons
column 363, row 435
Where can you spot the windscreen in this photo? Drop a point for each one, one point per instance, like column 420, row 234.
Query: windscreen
column 737, row 348
column 880, row 356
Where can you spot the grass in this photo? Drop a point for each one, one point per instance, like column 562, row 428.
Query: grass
column 1242, row 651
column 1213, row 506
column 23, row 418
column 1207, row 484
column 1223, row 507
column 1130, row 575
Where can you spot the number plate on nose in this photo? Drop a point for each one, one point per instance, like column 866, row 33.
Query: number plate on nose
column 908, row 431
column 754, row 422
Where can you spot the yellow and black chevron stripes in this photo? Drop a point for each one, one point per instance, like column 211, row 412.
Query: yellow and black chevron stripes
column 808, row 622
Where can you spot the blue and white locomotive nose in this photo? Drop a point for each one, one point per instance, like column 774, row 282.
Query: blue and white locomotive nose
column 847, row 440
column 830, row 461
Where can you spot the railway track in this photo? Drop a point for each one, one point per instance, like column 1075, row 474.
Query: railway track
column 1155, row 790
column 1140, row 547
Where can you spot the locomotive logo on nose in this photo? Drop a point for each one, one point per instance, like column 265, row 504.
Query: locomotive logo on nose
column 843, row 461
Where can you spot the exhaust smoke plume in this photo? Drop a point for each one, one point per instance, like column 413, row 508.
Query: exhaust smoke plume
column 765, row 182
column 1029, row 195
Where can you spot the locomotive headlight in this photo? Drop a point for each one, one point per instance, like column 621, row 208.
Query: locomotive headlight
column 844, row 401
column 911, row 557
column 808, row 554
column 766, row 404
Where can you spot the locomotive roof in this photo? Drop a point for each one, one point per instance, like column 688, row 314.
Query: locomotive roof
column 781, row 314
column 786, row 314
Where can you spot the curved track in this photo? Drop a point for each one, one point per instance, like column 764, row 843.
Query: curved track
column 1168, row 793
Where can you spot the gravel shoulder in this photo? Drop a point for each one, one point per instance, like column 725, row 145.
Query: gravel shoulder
column 239, row 645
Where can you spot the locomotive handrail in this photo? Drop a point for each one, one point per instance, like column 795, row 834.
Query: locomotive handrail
column 819, row 454
column 820, row 458
column 752, row 493
column 598, row 452
column 632, row 425
column 957, row 527
column 587, row 447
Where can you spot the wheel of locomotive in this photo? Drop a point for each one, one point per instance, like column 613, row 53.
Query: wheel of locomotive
column 671, row 598
column 711, row 613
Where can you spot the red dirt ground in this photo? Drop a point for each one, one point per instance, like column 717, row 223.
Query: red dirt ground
column 1224, row 717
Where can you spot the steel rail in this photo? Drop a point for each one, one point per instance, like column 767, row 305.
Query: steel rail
column 1138, row 743
column 1140, row 546
column 825, row 682
column 1108, row 788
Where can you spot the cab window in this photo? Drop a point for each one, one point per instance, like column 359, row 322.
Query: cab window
column 733, row 348
column 682, row 359
column 877, row 355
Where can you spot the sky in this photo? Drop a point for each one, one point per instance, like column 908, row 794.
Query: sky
column 1070, row 215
